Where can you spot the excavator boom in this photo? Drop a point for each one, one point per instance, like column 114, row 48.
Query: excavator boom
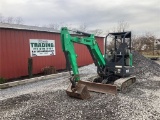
column 79, row 88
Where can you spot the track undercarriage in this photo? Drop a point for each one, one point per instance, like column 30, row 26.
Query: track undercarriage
column 121, row 83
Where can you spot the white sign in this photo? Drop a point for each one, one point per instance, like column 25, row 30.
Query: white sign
column 42, row 47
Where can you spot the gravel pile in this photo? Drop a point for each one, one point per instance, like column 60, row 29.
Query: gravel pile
column 144, row 65
column 47, row 100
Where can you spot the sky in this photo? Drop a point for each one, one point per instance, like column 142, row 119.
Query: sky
column 143, row 16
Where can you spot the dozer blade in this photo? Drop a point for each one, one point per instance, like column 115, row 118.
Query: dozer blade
column 99, row 87
column 80, row 92
column 123, row 83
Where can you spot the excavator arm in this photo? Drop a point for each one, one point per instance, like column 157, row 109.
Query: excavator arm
column 71, row 58
column 79, row 88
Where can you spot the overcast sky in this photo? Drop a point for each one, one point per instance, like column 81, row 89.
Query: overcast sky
column 141, row 15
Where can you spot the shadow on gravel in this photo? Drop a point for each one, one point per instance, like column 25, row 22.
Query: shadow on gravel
column 151, row 85
column 11, row 103
column 134, row 91
column 57, row 105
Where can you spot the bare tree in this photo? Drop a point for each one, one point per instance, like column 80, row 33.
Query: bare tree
column 83, row 27
column 1, row 18
column 96, row 31
column 110, row 45
column 55, row 26
column 122, row 26
column 10, row 20
column 144, row 42
column 18, row 20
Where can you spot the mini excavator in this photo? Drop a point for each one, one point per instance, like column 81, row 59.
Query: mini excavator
column 114, row 68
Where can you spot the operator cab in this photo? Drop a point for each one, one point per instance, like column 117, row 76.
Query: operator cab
column 118, row 56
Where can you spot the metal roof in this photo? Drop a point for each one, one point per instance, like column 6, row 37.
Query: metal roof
column 32, row 28
column 122, row 34
column 26, row 27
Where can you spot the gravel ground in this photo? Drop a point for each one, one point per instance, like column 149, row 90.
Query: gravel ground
column 47, row 100
column 158, row 61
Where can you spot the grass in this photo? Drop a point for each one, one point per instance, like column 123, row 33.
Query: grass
column 2, row 80
column 150, row 56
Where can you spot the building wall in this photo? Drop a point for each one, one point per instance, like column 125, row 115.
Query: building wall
column 15, row 51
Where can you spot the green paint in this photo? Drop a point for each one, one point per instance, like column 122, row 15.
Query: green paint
column 67, row 43
column 48, row 45
column 52, row 45
column 32, row 44
column 35, row 44
column 39, row 45
column 42, row 44
column 131, row 59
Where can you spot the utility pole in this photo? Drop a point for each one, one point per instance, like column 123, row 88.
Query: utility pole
column 153, row 46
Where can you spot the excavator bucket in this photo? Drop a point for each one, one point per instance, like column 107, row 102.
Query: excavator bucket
column 83, row 87
column 99, row 87
column 80, row 92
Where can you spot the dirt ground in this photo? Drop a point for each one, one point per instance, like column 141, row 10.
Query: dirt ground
column 47, row 100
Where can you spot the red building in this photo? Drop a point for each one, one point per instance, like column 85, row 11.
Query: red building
column 15, row 50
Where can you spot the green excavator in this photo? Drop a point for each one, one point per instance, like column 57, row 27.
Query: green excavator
column 114, row 68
